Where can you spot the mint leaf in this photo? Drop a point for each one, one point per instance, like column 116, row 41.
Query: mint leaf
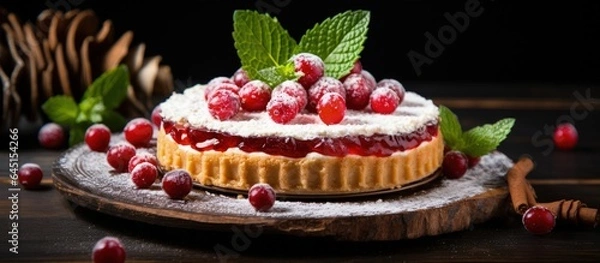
column 90, row 109
column 261, row 43
column 76, row 134
column 277, row 74
column 111, row 87
column 114, row 120
column 450, row 128
column 484, row 139
column 338, row 41
column 61, row 109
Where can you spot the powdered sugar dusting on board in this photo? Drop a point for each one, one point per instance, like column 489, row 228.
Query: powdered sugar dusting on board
column 190, row 108
column 90, row 172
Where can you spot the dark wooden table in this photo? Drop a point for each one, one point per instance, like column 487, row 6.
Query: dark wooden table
column 53, row 230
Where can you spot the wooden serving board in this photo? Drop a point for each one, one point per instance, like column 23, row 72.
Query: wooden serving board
column 442, row 206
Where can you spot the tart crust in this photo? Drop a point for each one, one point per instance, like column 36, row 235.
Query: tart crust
column 313, row 174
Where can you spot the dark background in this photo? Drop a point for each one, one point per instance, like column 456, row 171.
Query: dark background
column 511, row 41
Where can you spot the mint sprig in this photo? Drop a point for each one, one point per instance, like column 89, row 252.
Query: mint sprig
column 98, row 105
column 477, row 141
column 263, row 46
column 338, row 41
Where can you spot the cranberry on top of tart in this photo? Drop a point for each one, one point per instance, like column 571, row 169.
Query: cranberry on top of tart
column 304, row 117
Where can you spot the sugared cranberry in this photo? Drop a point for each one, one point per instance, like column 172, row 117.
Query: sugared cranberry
column 357, row 91
column 322, row 86
column 473, row 161
column 565, row 136
column 218, row 80
column 30, row 175
column 310, row 66
column 141, row 158
column 393, row 85
column 155, row 116
column 144, row 174
column 370, row 79
column 261, row 196
column 295, row 90
column 539, row 220
column 108, row 250
column 240, row 77
column 138, row 132
column 255, row 95
column 357, row 67
column 51, row 136
column 220, row 83
column 119, row 155
column 331, row 108
column 455, row 164
column 283, row 108
column 223, row 104
column 97, row 137
column 383, row 100
column 177, row 184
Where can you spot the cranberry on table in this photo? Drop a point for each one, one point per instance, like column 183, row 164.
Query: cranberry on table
column 240, row 77
column 223, row 104
column 155, row 116
column 261, row 196
column 30, row 175
column 473, row 161
column 177, row 184
column 255, row 95
column 455, row 164
column 383, row 101
column 331, row 108
column 358, row 91
column 108, row 250
column 310, row 66
column 140, row 158
column 539, row 220
column 97, row 137
column 119, row 155
column 51, row 136
column 138, row 132
column 565, row 136
column 282, row 108
column 144, row 175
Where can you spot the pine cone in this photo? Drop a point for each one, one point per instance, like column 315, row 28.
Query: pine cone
column 62, row 53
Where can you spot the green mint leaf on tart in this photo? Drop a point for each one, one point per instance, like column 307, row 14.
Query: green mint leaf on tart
column 338, row 41
column 484, row 139
column 61, row 109
column 263, row 46
column 477, row 141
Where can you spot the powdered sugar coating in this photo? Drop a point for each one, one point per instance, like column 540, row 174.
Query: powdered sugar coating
column 189, row 108
column 91, row 173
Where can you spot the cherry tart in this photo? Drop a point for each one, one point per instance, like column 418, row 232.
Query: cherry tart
column 364, row 151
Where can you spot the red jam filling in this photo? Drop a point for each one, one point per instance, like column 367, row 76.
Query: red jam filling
column 376, row 145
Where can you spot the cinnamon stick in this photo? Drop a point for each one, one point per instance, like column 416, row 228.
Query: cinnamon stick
column 521, row 192
column 573, row 211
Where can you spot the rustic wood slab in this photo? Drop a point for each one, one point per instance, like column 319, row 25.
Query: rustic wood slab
column 442, row 206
